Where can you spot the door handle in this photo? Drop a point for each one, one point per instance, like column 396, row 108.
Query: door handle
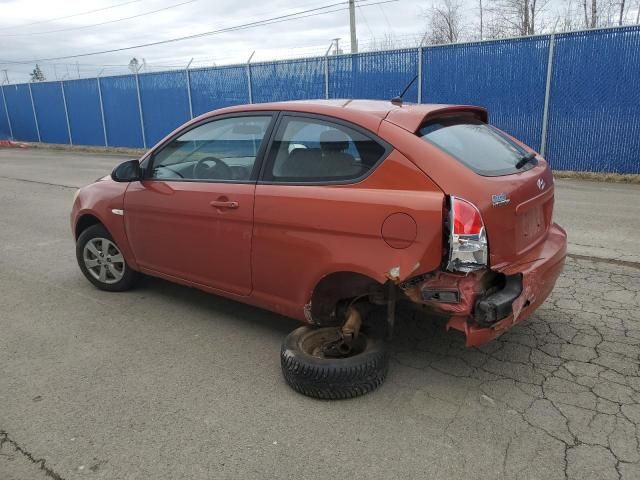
column 224, row 204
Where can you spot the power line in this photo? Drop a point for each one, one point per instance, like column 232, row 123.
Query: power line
column 71, row 16
column 365, row 20
column 98, row 24
column 386, row 19
column 269, row 21
column 401, row 41
column 188, row 37
column 231, row 59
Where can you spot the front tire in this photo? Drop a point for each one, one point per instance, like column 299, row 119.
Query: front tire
column 307, row 372
column 101, row 260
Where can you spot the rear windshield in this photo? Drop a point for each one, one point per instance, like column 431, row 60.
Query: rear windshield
column 477, row 145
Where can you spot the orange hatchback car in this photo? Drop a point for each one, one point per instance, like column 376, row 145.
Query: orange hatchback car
column 331, row 212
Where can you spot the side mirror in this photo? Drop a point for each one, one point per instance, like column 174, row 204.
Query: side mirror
column 128, row 171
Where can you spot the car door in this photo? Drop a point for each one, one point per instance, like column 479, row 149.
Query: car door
column 191, row 217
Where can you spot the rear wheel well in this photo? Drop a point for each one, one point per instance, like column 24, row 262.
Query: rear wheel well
column 335, row 291
column 84, row 222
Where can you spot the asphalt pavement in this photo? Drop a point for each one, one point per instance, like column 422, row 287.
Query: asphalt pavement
column 166, row 382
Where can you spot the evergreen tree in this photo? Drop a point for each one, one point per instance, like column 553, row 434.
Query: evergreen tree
column 134, row 65
column 37, row 75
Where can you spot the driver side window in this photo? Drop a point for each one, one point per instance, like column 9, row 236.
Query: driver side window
column 223, row 149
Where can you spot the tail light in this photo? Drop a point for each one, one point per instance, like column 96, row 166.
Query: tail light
column 468, row 250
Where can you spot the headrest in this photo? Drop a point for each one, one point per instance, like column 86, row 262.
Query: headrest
column 304, row 154
column 334, row 140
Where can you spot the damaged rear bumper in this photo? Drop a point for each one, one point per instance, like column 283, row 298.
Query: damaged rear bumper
column 485, row 304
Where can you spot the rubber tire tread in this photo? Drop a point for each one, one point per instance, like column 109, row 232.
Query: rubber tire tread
column 335, row 378
column 130, row 276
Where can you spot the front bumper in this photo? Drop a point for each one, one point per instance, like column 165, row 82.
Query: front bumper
column 483, row 314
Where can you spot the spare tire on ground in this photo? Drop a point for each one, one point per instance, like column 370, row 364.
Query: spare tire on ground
column 309, row 371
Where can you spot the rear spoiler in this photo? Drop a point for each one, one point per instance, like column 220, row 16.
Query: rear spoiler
column 412, row 117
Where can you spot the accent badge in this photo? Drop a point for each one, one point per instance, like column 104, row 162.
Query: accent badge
column 499, row 199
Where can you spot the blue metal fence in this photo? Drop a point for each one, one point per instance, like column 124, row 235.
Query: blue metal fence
column 122, row 115
column 50, row 112
column 507, row 77
column 83, row 109
column 5, row 131
column 377, row 75
column 21, row 116
column 594, row 115
column 5, row 127
column 213, row 88
column 287, row 80
column 165, row 103
column 573, row 96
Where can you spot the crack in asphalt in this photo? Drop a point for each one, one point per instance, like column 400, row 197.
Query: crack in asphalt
column 571, row 372
column 562, row 388
column 39, row 182
column 40, row 462
column 613, row 261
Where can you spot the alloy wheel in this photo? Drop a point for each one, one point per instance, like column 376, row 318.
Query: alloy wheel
column 103, row 260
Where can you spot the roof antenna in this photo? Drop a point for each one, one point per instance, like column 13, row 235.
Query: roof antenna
column 398, row 100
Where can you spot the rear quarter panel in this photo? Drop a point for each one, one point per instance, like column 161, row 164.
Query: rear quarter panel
column 305, row 232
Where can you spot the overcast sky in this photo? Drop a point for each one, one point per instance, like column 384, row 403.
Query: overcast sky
column 403, row 20
column 292, row 38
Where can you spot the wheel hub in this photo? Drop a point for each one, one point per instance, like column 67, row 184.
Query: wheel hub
column 103, row 260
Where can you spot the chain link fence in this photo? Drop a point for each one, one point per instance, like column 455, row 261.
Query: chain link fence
column 572, row 96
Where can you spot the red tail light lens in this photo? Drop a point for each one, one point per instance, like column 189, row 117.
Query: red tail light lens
column 466, row 218
column 468, row 249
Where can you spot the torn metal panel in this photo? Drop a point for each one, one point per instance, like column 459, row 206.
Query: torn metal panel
column 539, row 275
column 397, row 274
column 465, row 286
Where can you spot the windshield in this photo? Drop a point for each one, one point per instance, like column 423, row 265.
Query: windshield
column 477, row 145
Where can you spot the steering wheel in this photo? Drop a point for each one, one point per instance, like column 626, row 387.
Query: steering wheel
column 219, row 170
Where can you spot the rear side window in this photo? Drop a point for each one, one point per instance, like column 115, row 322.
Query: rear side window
column 312, row 150
column 477, row 145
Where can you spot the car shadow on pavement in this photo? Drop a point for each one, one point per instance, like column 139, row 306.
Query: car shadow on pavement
column 218, row 306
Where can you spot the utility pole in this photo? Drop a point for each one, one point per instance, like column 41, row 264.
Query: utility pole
column 337, row 40
column 352, row 26
column 481, row 21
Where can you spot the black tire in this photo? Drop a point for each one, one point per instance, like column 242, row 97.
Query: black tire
column 113, row 283
column 333, row 378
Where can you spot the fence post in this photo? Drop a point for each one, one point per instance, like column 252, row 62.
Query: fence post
column 547, row 94
column 420, row 74
column 189, row 88
column 326, row 71
column 249, row 77
column 144, row 136
column 6, row 110
column 35, row 116
column 326, row 77
column 66, row 112
column 104, row 125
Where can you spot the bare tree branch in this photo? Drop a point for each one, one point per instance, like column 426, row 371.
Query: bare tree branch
column 522, row 17
column 445, row 22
